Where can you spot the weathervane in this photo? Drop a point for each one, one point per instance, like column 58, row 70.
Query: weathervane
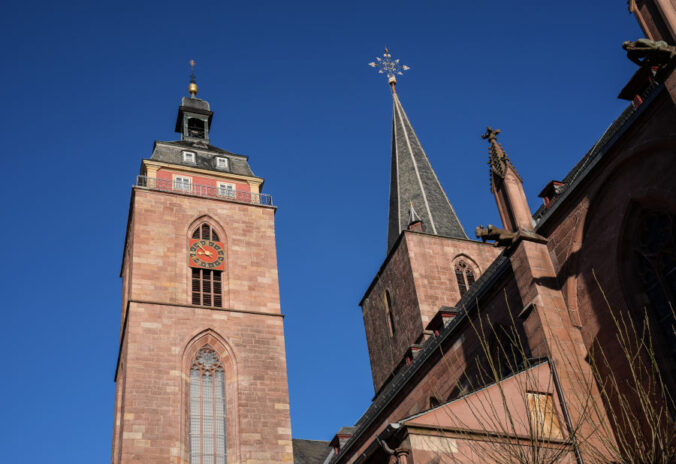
column 386, row 65
column 192, row 88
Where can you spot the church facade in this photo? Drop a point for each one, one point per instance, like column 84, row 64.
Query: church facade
column 490, row 350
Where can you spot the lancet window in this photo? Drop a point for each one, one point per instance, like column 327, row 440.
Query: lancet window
column 464, row 275
column 207, row 284
column 388, row 312
column 207, row 409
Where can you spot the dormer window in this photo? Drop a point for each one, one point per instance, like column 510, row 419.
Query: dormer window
column 189, row 157
column 222, row 163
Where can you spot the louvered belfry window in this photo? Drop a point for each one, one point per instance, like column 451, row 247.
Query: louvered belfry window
column 206, row 284
column 207, row 409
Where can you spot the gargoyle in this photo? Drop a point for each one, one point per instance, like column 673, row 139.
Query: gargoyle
column 501, row 237
column 648, row 53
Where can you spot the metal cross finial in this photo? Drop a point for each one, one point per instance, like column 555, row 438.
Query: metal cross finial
column 386, row 65
column 491, row 134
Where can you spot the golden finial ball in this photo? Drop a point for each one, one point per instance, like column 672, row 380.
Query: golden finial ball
column 192, row 89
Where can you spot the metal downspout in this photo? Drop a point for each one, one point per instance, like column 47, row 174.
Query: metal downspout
column 564, row 407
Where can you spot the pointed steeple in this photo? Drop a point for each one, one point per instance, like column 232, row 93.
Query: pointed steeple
column 413, row 180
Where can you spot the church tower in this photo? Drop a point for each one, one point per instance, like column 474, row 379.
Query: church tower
column 201, row 370
column 411, row 294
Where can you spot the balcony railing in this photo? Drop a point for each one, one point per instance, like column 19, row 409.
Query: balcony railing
column 206, row 191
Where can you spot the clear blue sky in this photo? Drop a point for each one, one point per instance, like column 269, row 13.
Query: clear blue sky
column 87, row 87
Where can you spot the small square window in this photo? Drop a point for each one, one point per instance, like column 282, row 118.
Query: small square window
column 222, row 163
column 226, row 190
column 182, row 183
column 188, row 157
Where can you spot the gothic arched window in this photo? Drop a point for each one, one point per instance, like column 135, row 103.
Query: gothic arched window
column 464, row 275
column 651, row 268
column 207, row 409
column 206, row 285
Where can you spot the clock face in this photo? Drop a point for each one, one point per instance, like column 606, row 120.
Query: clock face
column 206, row 254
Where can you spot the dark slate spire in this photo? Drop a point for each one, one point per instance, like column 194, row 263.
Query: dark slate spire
column 413, row 181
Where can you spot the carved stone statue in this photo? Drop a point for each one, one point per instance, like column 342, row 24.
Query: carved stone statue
column 646, row 52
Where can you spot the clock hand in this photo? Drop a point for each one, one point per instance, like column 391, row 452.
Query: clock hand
column 208, row 253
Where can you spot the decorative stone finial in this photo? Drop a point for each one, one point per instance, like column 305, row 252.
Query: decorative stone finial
column 491, row 134
column 390, row 67
column 192, row 88
column 498, row 159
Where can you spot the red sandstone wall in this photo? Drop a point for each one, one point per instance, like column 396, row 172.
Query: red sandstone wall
column 160, row 256
column 385, row 351
column 420, row 277
column 432, row 261
column 586, row 235
column 446, row 369
column 257, row 407
column 161, row 330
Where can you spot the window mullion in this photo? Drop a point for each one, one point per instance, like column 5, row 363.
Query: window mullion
column 213, row 413
column 201, row 419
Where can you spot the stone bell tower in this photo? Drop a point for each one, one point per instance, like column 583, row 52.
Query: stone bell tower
column 201, row 370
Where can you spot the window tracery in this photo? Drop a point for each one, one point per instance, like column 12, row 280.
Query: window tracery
column 653, row 271
column 207, row 408
column 648, row 262
column 464, row 275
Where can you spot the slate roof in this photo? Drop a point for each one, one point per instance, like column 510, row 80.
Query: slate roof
column 414, row 180
column 205, row 156
column 309, row 451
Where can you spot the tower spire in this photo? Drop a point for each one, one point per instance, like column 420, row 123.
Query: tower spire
column 413, row 181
